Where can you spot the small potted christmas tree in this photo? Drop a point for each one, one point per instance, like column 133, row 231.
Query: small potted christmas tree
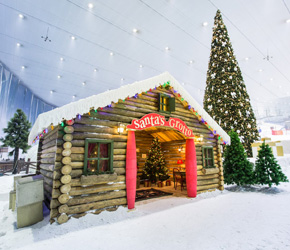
column 267, row 169
column 237, row 169
column 154, row 167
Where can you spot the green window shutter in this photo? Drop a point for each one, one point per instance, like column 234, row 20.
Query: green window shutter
column 171, row 103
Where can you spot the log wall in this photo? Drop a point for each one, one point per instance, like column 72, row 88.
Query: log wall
column 70, row 193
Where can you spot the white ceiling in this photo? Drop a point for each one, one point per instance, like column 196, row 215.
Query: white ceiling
column 257, row 28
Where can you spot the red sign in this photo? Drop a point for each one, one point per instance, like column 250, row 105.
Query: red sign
column 156, row 120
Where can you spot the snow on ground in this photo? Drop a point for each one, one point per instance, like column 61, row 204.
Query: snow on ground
column 253, row 219
column 237, row 218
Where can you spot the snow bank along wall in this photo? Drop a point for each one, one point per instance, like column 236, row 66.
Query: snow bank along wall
column 61, row 154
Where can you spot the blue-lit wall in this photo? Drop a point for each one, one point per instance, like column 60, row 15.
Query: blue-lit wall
column 14, row 95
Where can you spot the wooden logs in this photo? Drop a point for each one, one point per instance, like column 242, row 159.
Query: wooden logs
column 63, row 198
column 68, row 129
column 98, row 179
column 65, row 179
column 65, row 188
column 96, row 189
column 66, row 160
column 63, row 209
column 67, row 145
column 210, row 170
column 62, row 218
column 66, row 169
column 66, row 152
column 68, row 137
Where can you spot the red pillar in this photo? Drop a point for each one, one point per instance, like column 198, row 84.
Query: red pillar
column 191, row 168
column 131, row 169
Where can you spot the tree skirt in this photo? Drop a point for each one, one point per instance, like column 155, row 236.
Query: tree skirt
column 146, row 194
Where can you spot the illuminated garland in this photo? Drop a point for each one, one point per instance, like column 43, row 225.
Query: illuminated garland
column 164, row 85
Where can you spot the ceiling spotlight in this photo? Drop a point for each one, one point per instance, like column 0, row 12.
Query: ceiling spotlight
column 73, row 38
column 51, row 92
column 271, row 79
column 260, row 70
column 61, row 58
column 111, row 53
column 84, row 83
column 167, row 48
column 205, row 24
column 59, row 76
column 182, row 83
column 73, row 96
column 95, row 69
column 246, row 58
column 191, row 62
column 23, row 67
column 135, row 30
column 122, row 79
column 288, row 21
column 21, row 16
column 90, row 5
column 141, row 66
column 18, row 44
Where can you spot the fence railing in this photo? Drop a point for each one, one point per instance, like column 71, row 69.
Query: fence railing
column 7, row 167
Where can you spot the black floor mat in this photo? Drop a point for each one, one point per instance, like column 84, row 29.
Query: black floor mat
column 146, row 194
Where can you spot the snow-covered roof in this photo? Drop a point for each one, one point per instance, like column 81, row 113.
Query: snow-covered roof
column 83, row 106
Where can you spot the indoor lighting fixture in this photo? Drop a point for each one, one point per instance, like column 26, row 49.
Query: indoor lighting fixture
column 246, row 58
column 21, row 16
column 191, row 62
column 179, row 149
column 90, row 5
column 18, row 44
column 288, row 21
column 73, row 96
column 271, row 79
column 260, row 70
column 73, row 37
column 122, row 79
column 61, row 58
column 23, row 67
column 135, row 30
column 121, row 128
column 51, row 92
column 205, row 24
column 83, row 83
column 167, row 48
column 111, row 53
column 141, row 66
column 95, row 70
column 59, row 76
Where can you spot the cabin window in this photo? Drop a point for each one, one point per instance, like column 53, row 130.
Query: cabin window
column 207, row 157
column 98, row 156
column 166, row 103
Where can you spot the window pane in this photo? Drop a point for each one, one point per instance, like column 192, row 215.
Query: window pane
column 205, row 152
column 92, row 150
column 104, row 150
column 104, row 166
column 93, row 166
column 209, row 163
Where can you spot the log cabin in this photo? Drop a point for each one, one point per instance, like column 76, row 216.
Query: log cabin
column 89, row 150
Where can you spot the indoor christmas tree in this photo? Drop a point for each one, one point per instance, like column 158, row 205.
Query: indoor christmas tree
column 267, row 169
column 154, row 168
column 226, row 98
column 16, row 136
column 237, row 169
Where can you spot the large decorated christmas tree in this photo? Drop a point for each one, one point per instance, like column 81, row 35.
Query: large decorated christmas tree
column 226, row 98
column 237, row 169
column 16, row 137
column 267, row 169
column 155, row 168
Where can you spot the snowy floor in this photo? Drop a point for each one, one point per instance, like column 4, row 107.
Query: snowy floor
column 237, row 219
column 254, row 218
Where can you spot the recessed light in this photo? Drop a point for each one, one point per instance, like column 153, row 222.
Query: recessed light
column 141, row 66
column 167, row 48
column 271, row 79
column 90, row 5
column 111, row 53
column 280, row 86
column 51, row 92
column 61, row 58
column 182, row 83
column 84, row 83
column 95, row 69
column 18, row 44
column 288, row 21
column 246, row 58
column 73, row 37
column 23, row 67
column 74, row 96
column 260, row 70
column 135, row 30
column 191, row 62
column 21, row 16
column 205, row 24
column 122, row 79
column 59, row 76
